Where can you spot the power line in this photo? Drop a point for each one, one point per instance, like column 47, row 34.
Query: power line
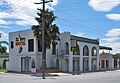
column 73, row 17
column 79, row 29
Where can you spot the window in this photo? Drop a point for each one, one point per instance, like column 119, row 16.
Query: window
column 85, row 51
column 103, row 64
column 66, row 48
column 107, row 63
column 85, row 64
column 94, row 51
column 33, row 63
column 39, row 46
column 12, row 44
column 54, row 47
column 30, row 45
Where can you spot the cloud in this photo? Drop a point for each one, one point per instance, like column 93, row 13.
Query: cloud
column 115, row 17
column 5, row 15
column 103, row 5
column 79, row 34
column 112, row 39
column 3, row 22
column 115, row 32
column 7, row 27
column 55, row 2
column 24, row 10
column 3, row 33
column 109, row 40
column 116, row 47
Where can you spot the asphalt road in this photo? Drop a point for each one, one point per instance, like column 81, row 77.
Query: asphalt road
column 98, row 77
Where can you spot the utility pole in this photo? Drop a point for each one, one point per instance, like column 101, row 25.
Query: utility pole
column 43, row 41
column 43, row 37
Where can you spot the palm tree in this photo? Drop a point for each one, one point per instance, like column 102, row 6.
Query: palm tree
column 3, row 49
column 0, row 35
column 51, row 30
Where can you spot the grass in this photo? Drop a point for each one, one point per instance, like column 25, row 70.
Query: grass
column 3, row 70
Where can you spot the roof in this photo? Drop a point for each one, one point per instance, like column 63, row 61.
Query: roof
column 116, row 56
column 106, row 48
column 87, row 40
column 4, row 55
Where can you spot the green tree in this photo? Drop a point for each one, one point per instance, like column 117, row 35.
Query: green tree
column 3, row 49
column 51, row 29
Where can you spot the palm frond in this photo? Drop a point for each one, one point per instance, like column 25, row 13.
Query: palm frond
column 51, row 30
column 3, row 42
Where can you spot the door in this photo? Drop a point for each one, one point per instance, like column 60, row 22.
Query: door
column 26, row 64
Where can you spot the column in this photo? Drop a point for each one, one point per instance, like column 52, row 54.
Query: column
column 90, row 58
column 112, row 63
column 118, row 63
column 70, row 62
column 98, row 58
column 81, row 58
column 36, row 52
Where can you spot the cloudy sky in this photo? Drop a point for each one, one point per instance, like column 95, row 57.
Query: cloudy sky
column 87, row 18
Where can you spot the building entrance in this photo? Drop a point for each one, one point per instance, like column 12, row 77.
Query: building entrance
column 26, row 64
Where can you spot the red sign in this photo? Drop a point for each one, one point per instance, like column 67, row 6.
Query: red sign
column 20, row 41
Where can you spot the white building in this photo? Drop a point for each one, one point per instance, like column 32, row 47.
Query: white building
column 106, row 58
column 116, row 60
column 71, row 53
column 4, row 60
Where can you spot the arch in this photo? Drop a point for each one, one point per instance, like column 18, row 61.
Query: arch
column 77, row 51
column 66, row 48
column 4, row 64
column 94, row 51
column 85, row 51
column 115, row 63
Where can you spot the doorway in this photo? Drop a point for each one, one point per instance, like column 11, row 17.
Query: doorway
column 26, row 64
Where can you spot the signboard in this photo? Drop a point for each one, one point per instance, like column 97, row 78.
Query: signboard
column 20, row 41
column 73, row 48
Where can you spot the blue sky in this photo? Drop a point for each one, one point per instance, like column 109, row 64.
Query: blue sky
column 87, row 18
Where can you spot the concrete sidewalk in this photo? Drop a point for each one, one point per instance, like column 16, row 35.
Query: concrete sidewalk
column 51, row 74
column 54, row 74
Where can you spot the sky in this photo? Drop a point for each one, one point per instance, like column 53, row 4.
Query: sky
column 86, row 18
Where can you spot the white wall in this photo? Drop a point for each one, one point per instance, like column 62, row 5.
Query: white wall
column 106, row 56
column 1, row 61
column 14, row 56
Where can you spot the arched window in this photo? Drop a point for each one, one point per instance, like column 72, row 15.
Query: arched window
column 66, row 48
column 94, row 51
column 85, row 51
column 77, row 51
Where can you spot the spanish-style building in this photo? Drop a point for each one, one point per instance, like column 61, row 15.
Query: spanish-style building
column 3, row 60
column 116, row 59
column 106, row 58
column 71, row 53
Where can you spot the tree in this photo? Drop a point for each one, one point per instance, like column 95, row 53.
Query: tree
column 51, row 30
column 3, row 49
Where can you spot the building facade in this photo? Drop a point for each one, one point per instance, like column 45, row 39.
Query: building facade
column 116, row 60
column 3, row 60
column 106, row 61
column 71, row 53
column 106, row 58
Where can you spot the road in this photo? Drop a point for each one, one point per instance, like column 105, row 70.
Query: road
column 97, row 77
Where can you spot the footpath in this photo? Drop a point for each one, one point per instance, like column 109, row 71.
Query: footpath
column 51, row 74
